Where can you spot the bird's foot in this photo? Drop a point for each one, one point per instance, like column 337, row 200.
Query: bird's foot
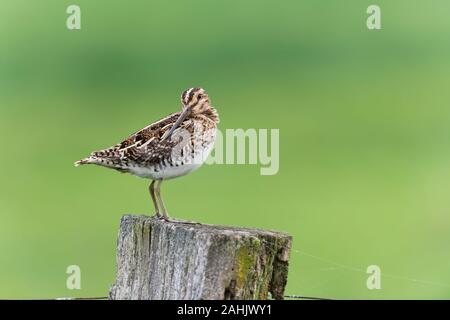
column 183, row 221
column 162, row 217
column 157, row 215
column 167, row 219
column 190, row 222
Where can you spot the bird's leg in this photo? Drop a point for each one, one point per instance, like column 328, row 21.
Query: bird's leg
column 163, row 212
column 165, row 215
column 151, row 189
column 161, row 202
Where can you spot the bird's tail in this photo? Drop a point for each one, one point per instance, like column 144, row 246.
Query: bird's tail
column 87, row 160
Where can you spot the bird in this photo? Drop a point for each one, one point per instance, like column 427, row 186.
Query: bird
column 171, row 147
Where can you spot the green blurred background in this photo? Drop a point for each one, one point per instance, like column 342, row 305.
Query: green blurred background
column 364, row 123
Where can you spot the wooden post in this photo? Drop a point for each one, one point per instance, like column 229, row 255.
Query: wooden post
column 175, row 260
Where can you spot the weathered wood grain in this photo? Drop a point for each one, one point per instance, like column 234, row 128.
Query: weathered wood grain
column 175, row 260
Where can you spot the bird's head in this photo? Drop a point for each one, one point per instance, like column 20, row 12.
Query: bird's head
column 196, row 100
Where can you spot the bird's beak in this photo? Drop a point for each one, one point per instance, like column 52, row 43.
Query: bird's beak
column 180, row 119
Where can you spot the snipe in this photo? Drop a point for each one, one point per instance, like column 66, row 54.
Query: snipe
column 169, row 148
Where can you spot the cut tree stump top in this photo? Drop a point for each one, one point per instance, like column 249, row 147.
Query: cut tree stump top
column 157, row 259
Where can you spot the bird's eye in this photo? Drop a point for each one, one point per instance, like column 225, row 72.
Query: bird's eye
column 200, row 96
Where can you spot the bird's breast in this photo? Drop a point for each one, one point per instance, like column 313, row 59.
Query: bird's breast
column 184, row 158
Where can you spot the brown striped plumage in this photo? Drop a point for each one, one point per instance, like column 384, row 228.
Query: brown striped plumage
column 166, row 149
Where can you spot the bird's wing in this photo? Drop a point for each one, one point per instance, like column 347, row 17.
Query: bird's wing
column 144, row 146
column 154, row 130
